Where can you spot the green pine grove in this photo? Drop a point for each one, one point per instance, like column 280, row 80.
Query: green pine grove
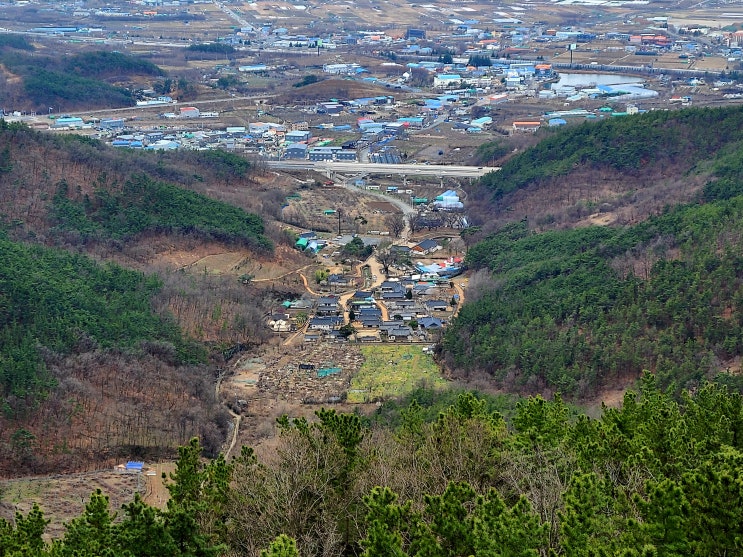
column 51, row 299
column 145, row 205
column 667, row 140
column 658, row 476
column 79, row 79
column 579, row 310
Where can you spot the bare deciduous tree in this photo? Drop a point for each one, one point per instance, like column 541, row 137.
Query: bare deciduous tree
column 385, row 256
column 395, row 223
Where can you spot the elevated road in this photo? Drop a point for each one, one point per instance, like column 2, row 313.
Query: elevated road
column 330, row 167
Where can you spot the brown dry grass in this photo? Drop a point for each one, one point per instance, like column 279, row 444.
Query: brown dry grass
column 64, row 497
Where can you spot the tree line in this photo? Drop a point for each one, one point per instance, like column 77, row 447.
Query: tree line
column 657, row 476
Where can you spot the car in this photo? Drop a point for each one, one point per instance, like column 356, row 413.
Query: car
column 329, row 183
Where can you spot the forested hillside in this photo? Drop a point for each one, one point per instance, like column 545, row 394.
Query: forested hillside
column 653, row 139
column 54, row 185
column 52, row 300
column 655, row 477
column 620, row 170
column 97, row 358
column 84, row 359
column 582, row 310
column 86, row 80
column 143, row 205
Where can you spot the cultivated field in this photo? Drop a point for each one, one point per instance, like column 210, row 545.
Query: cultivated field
column 391, row 371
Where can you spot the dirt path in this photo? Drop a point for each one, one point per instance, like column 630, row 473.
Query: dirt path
column 292, row 338
column 235, row 432
column 287, row 274
column 460, row 292
column 406, row 209
column 307, row 286
column 156, row 494
column 236, row 417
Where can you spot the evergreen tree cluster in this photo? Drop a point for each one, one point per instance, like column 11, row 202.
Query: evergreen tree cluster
column 664, row 138
column 219, row 48
column 578, row 310
column 658, row 476
column 18, row 42
column 51, row 299
column 142, row 530
column 79, row 79
column 143, row 204
column 103, row 63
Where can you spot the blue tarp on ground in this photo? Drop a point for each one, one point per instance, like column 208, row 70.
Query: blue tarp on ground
column 325, row 371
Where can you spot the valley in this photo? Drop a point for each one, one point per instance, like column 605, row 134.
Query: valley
column 388, row 259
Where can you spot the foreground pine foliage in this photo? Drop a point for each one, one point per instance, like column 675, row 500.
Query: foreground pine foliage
column 657, row 476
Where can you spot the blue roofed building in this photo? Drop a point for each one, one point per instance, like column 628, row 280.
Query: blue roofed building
column 296, row 151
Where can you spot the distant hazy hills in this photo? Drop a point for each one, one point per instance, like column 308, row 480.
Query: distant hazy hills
column 89, row 81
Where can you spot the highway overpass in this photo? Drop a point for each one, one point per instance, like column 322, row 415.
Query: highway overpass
column 331, row 167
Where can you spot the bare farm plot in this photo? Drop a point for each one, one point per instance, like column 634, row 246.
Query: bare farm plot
column 64, row 497
column 324, row 209
column 392, row 371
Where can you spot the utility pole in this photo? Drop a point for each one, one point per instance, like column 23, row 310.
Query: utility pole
column 339, row 222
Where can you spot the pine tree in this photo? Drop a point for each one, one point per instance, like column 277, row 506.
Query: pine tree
column 715, row 494
column 584, row 525
column 198, row 498
column 26, row 538
column 507, row 532
column 143, row 533
column 664, row 515
column 282, row 546
column 90, row 534
column 386, row 520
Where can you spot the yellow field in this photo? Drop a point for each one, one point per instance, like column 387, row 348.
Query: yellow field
column 390, row 371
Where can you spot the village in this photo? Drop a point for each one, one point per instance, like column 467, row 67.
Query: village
column 412, row 304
